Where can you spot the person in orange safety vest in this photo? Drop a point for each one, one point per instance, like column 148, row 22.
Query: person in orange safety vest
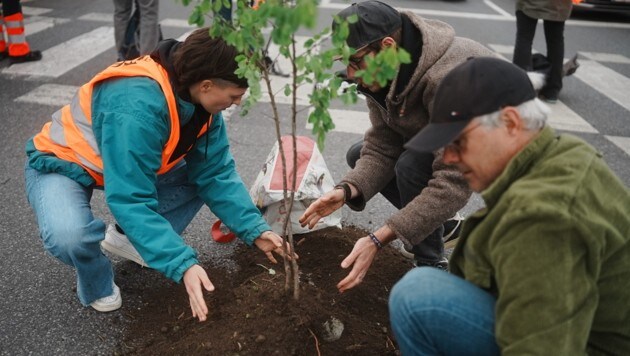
column 149, row 132
column 15, row 45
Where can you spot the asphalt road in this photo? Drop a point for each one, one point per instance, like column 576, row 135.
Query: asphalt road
column 39, row 312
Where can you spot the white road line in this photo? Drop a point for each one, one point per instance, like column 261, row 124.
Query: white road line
column 278, row 83
column 595, row 56
column 563, row 118
column 425, row 12
column 108, row 18
column 37, row 24
column 606, row 57
column 621, row 142
column 496, row 8
column 605, row 80
column 176, row 23
column 348, row 121
column 183, row 37
column 98, row 17
column 50, row 94
column 34, row 11
column 480, row 16
column 64, row 57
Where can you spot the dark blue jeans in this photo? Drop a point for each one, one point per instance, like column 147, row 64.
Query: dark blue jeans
column 554, row 37
column 436, row 313
column 413, row 172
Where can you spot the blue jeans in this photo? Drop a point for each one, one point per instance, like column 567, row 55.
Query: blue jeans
column 71, row 233
column 433, row 312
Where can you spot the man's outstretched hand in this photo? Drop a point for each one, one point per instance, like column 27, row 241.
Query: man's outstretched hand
column 322, row 207
column 360, row 259
column 194, row 278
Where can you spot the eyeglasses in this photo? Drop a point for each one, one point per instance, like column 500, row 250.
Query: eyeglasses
column 355, row 61
column 458, row 145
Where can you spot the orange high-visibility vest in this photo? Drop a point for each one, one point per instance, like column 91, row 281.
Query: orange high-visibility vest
column 69, row 135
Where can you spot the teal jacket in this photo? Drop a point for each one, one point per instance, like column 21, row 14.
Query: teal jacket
column 553, row 245
column 131, row 124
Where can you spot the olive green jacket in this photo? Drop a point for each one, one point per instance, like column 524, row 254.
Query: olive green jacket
column 553, row 245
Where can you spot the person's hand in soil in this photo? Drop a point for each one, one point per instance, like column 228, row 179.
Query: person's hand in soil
column 194, row 278
column 269, row 242
column 361, row 257
column 322, row 207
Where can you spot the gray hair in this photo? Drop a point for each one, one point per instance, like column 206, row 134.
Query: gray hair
column 533, row 113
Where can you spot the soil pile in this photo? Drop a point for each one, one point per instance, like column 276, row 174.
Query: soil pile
column 251, row 314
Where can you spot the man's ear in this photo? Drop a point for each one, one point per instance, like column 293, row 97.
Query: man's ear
column 511, row 119
column 388, row 42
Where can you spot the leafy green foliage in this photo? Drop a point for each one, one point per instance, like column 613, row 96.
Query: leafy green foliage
column 312, row 64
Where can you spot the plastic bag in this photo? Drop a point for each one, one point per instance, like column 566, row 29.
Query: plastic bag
column 313, row 180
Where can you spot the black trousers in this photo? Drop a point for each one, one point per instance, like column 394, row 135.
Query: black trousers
column 10, row 7
column 554, row 37
column 413, row 172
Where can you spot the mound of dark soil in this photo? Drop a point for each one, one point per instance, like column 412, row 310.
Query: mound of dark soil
column 251, row 314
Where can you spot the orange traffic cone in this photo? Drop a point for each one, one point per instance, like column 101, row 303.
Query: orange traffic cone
column 18, row 48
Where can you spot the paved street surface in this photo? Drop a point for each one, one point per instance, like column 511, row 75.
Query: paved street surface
column 39, row 312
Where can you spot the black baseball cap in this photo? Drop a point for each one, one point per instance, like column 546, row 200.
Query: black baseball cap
column 479, row 86
column 376, row 20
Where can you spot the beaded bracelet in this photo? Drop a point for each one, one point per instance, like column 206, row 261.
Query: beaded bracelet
column 376, row 241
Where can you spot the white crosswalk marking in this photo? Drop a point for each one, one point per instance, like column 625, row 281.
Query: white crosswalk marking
column 109, row 18
column 278, row 83
column 605, row 80
column 606, row 57
column 74, row 52
column 34, row 11
column 621, row 142
column 563, row 118
column 37, row 24
column 176, row 23
column 595, row 56
column 98, row 17
column 50, row 94
column 348, row 121
column 68, row 55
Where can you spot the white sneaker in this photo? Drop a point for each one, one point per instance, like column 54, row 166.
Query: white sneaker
column 109, row 303
column 119, row 245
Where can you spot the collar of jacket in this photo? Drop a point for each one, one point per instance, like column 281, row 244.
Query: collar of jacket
column 519, row 166
column 163, row 54
column 412, row 43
